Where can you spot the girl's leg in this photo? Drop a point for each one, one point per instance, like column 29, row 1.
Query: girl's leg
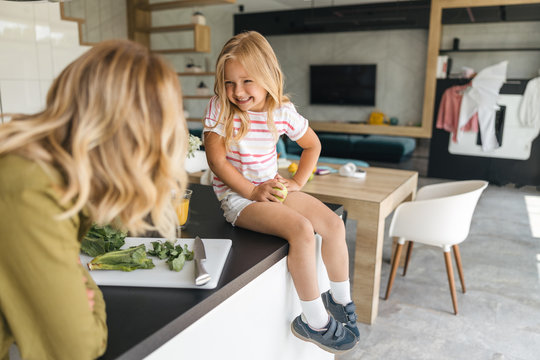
column 314, row 324
column 332, row 230
column 283, row 221
column 335, row 256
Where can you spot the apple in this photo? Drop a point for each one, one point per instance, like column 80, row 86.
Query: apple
column 283, row 192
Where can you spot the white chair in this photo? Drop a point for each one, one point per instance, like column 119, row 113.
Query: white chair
column 441, row 216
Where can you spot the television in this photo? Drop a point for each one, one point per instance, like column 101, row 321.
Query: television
column 343, row 84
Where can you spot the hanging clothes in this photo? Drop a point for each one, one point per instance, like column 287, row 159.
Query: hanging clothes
column 529, row 109
column 481, row 97
column 448, row 116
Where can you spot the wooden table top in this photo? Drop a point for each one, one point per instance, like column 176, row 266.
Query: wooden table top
column 374, row 187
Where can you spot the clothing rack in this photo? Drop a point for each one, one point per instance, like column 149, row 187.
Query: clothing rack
column 443, row 164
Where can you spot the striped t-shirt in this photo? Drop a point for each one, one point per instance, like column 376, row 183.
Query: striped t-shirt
column 255, row 156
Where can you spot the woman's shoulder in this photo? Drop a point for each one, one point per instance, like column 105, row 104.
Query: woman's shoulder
column 19, row 173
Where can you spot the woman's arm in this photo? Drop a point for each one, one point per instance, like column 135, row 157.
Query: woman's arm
column 44, row 288
column 311, row 146
column 216, row 155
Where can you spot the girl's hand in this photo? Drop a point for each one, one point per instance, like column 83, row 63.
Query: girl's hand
column 266, row 191
column 291, row 184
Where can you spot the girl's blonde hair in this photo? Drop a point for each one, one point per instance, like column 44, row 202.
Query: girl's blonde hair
column 256, row 55
column 113, row 126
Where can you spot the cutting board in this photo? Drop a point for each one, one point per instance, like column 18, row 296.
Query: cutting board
column 217, row 251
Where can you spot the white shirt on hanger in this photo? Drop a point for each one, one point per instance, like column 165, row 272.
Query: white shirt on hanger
column 481, row 97
column 529, row 109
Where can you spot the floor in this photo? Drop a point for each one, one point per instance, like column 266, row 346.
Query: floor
column 499, row 316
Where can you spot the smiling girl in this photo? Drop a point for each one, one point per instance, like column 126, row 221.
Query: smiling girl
column 242, row 126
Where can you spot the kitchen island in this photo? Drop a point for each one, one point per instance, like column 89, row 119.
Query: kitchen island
column 246, row 316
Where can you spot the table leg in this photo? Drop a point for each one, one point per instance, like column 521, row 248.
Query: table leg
column 370, row 217
column 367, row 260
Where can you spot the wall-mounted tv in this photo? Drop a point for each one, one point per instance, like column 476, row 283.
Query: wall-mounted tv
column 343, row 84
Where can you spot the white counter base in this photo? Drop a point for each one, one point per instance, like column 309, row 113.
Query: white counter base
column 254, row 323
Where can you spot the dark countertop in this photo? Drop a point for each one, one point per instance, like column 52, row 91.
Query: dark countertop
column 141, row 319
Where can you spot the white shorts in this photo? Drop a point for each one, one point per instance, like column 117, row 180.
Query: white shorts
column 233, row 205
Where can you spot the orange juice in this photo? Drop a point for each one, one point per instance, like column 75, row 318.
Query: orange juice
column 182, row 210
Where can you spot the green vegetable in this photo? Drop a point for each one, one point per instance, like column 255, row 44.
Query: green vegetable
column 102, row 239
column 176, row 255
column 177, row 263
column 125, row 260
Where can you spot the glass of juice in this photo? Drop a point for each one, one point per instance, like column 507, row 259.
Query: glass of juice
column 181, row 206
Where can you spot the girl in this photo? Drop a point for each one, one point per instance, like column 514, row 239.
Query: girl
column 242, row 126
column 109, row 147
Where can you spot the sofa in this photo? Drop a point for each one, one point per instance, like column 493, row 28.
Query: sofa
column 340, row 148
column 360, row 147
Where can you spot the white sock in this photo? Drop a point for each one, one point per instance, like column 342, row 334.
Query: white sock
column 341, row 291
column 315, row 313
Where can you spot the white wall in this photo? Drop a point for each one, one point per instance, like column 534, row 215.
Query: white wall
column 104, row 19
column 35, row 45
column 400, row 57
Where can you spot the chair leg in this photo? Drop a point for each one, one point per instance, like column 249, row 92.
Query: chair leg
column 450, row 272
column 407, row 256
column 457, row 255
column 395, row 264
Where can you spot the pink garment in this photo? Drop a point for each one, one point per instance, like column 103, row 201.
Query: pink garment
column 448, row 117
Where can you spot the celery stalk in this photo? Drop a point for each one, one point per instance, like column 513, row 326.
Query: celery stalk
column 125, row 260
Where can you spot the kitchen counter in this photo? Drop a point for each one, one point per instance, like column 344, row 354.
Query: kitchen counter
column 141, row 320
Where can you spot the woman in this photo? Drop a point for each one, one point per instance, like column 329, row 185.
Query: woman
column 108, row 148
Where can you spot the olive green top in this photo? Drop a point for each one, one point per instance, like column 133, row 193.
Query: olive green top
column 43, row 302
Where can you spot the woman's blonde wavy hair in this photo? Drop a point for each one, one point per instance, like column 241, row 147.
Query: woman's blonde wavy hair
column 256, row 55
column 114, row 127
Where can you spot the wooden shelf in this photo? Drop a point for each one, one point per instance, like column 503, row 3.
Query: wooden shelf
column 176, row 51
column 196, row 73
column 170, row 28
column 442, row 51
column 351, row 128
column 197, row 96
column 201, row 37
column 199, row 120
column 181, row 3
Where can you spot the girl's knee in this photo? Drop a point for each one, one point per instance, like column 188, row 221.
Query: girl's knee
column 302, row 233
column 333, row 226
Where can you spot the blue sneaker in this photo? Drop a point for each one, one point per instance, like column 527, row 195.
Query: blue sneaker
column 333, row 338
column 345, row 314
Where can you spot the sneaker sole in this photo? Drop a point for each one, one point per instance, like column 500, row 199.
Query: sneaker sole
column 325, row 348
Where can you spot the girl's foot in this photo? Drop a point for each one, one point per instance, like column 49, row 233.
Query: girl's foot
column 334, row 338
column 345, row 314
